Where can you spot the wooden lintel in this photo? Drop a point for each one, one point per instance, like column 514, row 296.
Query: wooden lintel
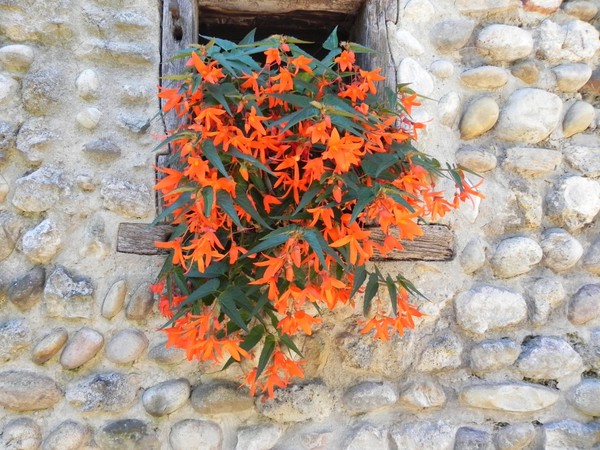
column 437, row 243
column 284, row 6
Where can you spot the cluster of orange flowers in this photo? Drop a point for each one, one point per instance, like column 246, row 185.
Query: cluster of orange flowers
column 273, row 180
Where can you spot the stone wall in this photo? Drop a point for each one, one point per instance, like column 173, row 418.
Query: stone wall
column 508, row 356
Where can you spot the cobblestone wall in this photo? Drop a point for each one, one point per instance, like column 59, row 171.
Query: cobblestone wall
column 509, row 354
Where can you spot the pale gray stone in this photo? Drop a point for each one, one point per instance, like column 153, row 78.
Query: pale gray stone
column 9, row 88
column 38, row 191
column 448, row 109
column 8, row 139
column 102, row 392
column 515, row 436
column 441, row 353
column 368, row 436
column 86, row 183
column 488, row 308
column 219, row 398
column 504, row 43
column 591, row 260
column 102, row 148
column 134, row 124
column 118, row 53
column 418, row 11
column 578, row 118
column 532, row 162
column 586, row 397
column 126, row 346
column 258, row 437
column 479, row 117
column 14, row 338
column 561, row 250
column 490, row 355
column 130, row 19
column 584, row 159
column 49, row 345
column 69, row 435
column 529, row 115
column 81, row 348
column 574, row 202
column 485, row 77
column 548, row 358
column 34, row 140
column 136, row 93
column 194, row 434
column 4, row 187
column 126, row 198
column 451, row 35
column 25, row 292
column 42, row 243
column 23, row 390
column 95, row 242
column 584, row 306
column 140, row 304
column 473, row 439
column 369, row 396
column 89, row 118
column 515, row 256
column 128, row 434
column 114, row 299
column 514, row 397
column 424, row 394
column 424, row 435
column 298, row 403
column 546, row 294
column 472, row 258
column 573, row 41
column 67, row 296
column 569, row 434
column 582, row 9
column 442, row 68
column 410, row 71
column 526, row 71
column 87, row 84
column 404, row 41
column 41, row 91
column 166, row 397
column 476, row 159
column 17, row 57
column 572, row 77
column 485, row 7
column 21, row 433
column 542, row 6
column 163, row 355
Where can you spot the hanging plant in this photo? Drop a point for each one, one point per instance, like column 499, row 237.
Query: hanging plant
column 272, row 179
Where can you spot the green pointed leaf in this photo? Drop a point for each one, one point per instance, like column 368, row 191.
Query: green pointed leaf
column 296, row 117
column 360, row 275
column 242, row 200
column 265, row 354
column 206, row 289
column 311, row 237
column 308, row 196
column 393, row 291
column 210, row 152
column 271, row 242
column 184, row 199
column 376, row 163
column 370, row 291
column 357, row 48
column 214, row 270
column 332, row 42
column 226, row 204
column 249, row 38
column 251, row 159
column 218, row 93
column 289, row 343
column 209, row 196
column 227, row 300
column 365, row 196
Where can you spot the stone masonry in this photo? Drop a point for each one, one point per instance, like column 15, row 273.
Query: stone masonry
column 508, row 356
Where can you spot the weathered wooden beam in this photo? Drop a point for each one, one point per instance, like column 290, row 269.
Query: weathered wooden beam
column 283, row 6
column 437, row 243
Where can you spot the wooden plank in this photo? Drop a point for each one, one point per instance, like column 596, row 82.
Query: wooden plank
column 283, row 6
column 437, row 243
column 179, row 30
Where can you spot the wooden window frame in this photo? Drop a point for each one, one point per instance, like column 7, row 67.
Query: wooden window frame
column 180, row 25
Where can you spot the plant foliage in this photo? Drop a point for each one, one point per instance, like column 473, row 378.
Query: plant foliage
column 271, row 185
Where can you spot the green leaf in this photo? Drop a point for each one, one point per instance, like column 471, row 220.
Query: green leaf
column 360, row 275
column 296, row 117
column 289, row 343
column 311, row 237
column 295, row 99
column 251, row 159
column 392, row 289
column 226, row 204
column 214, row 270
column 271, row 242
column 248, row 39
column 370, row 291
column 174, row 137
column 210, row 152
column 265, row 354
column 346, row 124
column 217, row 91
column 184, row 200
column 251, row 339
column 365, row 196
column 357, row 48
column 376, row 163
column 242, row 200
column 209, row 196
column 227, row 301
column 331, row 42
column 308, row 196
column 206, row 289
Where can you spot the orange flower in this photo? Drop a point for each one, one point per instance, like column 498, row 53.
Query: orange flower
column 346, row 60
